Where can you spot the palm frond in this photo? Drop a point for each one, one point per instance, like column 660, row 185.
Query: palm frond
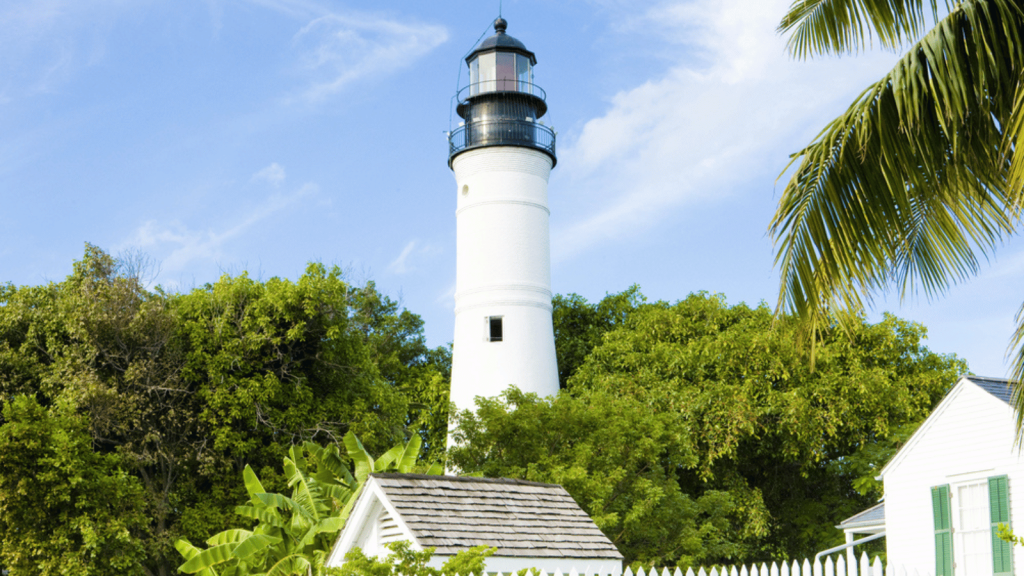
column 908, row 187
column 842, row 26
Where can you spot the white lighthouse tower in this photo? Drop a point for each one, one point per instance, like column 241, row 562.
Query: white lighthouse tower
column 502, row 155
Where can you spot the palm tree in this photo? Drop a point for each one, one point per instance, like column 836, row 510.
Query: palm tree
column 917, row 179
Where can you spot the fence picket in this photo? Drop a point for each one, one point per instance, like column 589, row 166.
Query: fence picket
column 701, row 572
column 734, row 571
column 628, row 572
column 865, row 564
column 689, row 572
column 876, row 568
column 714, row 571
column 841, row 566
column 743, row 571
column 764, row 569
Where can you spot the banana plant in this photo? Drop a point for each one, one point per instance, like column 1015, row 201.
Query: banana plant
column 293, row 534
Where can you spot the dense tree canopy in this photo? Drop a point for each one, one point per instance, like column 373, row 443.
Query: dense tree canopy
column 696, row 431
column 182, row 391
column 79, row 513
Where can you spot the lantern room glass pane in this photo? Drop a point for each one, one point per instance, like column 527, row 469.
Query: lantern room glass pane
column 525, row 74
column 474, row 77
column 485, row 67
column 506, row 71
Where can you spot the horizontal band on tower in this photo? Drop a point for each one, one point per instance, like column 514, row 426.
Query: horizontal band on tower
column 502, row 159
column 499, row 201
column 539, row 288
column 530, row 303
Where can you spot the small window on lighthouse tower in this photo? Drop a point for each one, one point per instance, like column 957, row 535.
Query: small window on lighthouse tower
column 494, row 328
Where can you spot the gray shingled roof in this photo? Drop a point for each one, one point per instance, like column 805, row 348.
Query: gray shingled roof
column 997, row 387
column 520, row 518
column 873, row 516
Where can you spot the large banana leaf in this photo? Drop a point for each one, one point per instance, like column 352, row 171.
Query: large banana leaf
column 384, row 462
column 328, row 461
column 205, row 559
column 325, row 526
column 360, row 457
column 307, row 495
column 188, row 551
column 252, row 482
column 228, row 537
column 281, row 501
column 266, row 515
column 410, row 454
column 290, row 565
column 253, row 545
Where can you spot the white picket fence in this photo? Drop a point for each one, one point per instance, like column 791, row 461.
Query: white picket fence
column 806, row 568
column 864, row 567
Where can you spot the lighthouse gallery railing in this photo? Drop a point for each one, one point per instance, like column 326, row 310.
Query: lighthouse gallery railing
column 502, row 132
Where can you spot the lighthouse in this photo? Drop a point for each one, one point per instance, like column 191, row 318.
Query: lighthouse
column 502, row 154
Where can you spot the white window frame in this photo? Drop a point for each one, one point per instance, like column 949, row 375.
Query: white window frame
column 956, row 483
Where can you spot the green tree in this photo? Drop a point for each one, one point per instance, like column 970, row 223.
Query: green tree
column 620, row 462
column 404, row 561
column 775, row 453
column 64, row 509
column 580, row 325
column 918, row 176
column 187, row 389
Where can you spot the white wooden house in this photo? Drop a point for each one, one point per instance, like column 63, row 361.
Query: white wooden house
column 952, row 483
column 532, row 525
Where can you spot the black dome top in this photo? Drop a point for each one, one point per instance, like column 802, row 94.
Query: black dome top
column 502, row 42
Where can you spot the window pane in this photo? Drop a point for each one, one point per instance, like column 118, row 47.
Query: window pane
column 506, row 71
column 523, row 72
column 496, row 331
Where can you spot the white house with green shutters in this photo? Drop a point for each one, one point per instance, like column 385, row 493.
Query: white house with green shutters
column 953, row 482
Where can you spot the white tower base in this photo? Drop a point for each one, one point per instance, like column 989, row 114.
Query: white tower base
column 503, row 272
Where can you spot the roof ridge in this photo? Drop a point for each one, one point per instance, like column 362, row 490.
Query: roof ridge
column 988, row 378
column 397, row 475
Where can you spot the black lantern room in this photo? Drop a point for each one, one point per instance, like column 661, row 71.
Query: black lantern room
column 501, row 106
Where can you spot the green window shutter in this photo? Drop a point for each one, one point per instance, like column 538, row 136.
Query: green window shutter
column 999, row 511
column 943, row 531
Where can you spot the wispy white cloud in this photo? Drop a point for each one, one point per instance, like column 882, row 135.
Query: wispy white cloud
column 177, row 245
column 43, row 43
column 725, row 110
column 448, row 296
column 400, row 265
column 273, row 174
column 403, row 264
column 337, row 50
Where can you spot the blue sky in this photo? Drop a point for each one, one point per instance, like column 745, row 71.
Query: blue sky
column 228, row 135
